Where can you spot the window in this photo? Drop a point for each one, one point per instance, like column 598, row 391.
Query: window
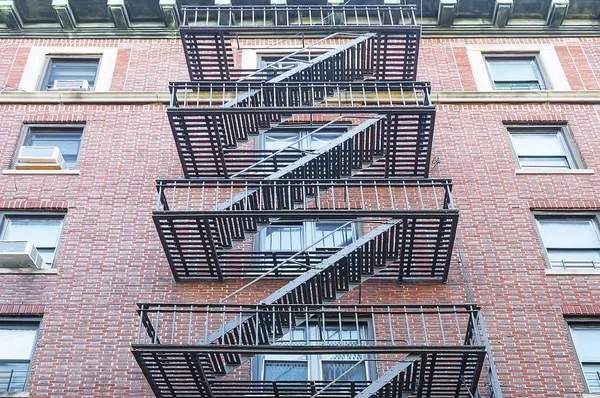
column 68, row 72
column 571, row 242
column 542, row 147
column 67, row 139
column 515, row 73
column 17, row 344
column 42, row 231
column 319, row 367
column 586, row 338
column 302, row 139
column 297, row 237
column 276, row 67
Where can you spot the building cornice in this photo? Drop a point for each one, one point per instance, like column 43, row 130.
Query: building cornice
column 162, row 97
column 161, row 18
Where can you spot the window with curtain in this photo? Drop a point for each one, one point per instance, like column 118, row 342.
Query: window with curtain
column 67, row 139
column 571, row 242
column 42, row 231
column 537, row 147
column 586, row 338
column 71, row 69
column 17, row 343
column 515, row 73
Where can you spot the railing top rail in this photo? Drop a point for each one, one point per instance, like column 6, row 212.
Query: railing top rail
column 297, row 16
column 311, row 308
column 350, row 182
column 261, row 84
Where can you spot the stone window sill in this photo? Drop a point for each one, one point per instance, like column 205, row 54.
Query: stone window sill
column 43, row 172
column 14, row 394
column 28, row 271
column 573, row 272
column 554, row 171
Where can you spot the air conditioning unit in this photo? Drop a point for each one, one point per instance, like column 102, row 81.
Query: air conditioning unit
column 70, row 85
column 19, row 253
column 40, row 158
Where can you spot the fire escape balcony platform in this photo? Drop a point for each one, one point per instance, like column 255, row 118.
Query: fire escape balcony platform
column 187, row 350
column 207, row 33
column 211, row 120
column 201, row 222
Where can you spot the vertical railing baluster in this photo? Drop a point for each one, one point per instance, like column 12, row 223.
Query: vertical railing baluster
column 424, row 325
column 173, row 324
column 441, row 325
column 390, row 324
column 458, row 330
column 156, row 329
column 407, row 326
column 190, row 324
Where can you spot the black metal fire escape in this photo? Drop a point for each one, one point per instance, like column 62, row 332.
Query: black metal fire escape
column 355, row 73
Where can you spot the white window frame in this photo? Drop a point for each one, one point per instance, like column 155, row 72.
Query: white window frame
column 584, row 324
column 309, row 235
column 29, row 324
column 595, row 224
column 27, row 132
column 315, row 361
column 547, row 61
column 38, row 61
column 564, row 137
column 5, row 222
column 536, row 68
column 303, row 131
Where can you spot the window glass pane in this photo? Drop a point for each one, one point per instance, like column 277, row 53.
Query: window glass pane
column 325, row 237
column 592, row 376
column 512, row 70
column 16, row 343
column 68, row 143
column 587, row 343
column 334, row 369
column 42, row 232
column 569, row 234
column 277, row 141
column 285, row 370
column 13, row 376
column 557, row 162
column 283, row 238
column 318, row 140
column 72, row 70
column 574, row 258
column 538, row 145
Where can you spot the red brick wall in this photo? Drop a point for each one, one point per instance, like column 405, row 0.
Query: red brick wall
column 110, row 256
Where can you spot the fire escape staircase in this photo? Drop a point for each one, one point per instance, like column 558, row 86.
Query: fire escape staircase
column 374, row 174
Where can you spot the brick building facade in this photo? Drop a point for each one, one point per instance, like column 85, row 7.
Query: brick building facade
column 539, row 303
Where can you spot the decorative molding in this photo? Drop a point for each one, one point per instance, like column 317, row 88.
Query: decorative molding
column 557, row 13
column 502, row 13
column 119, row 14
column 28, row 271
column 163, row 97
column 41, row 172
column 64, row 14
column 544, row 171
column 447, row 12
column 170, row 13
column 10, row 15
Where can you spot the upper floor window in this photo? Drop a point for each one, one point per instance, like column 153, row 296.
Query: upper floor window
column 273, row 65
column 297, row 237
column 348, row 367
column 515, row 73
column 38, row 151
column 571, row 242
column 70, row 73
column 300, row 139
column 17, row 344
column 586, row 338
column 42, row 231
column 542, row 147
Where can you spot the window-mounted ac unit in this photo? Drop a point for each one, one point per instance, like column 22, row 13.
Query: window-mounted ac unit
column 70, row 85
column 19, row 253
column 40, row 158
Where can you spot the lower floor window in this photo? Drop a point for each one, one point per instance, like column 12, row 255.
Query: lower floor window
column 586, row 338
column 17, row 344
column 326, row 367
